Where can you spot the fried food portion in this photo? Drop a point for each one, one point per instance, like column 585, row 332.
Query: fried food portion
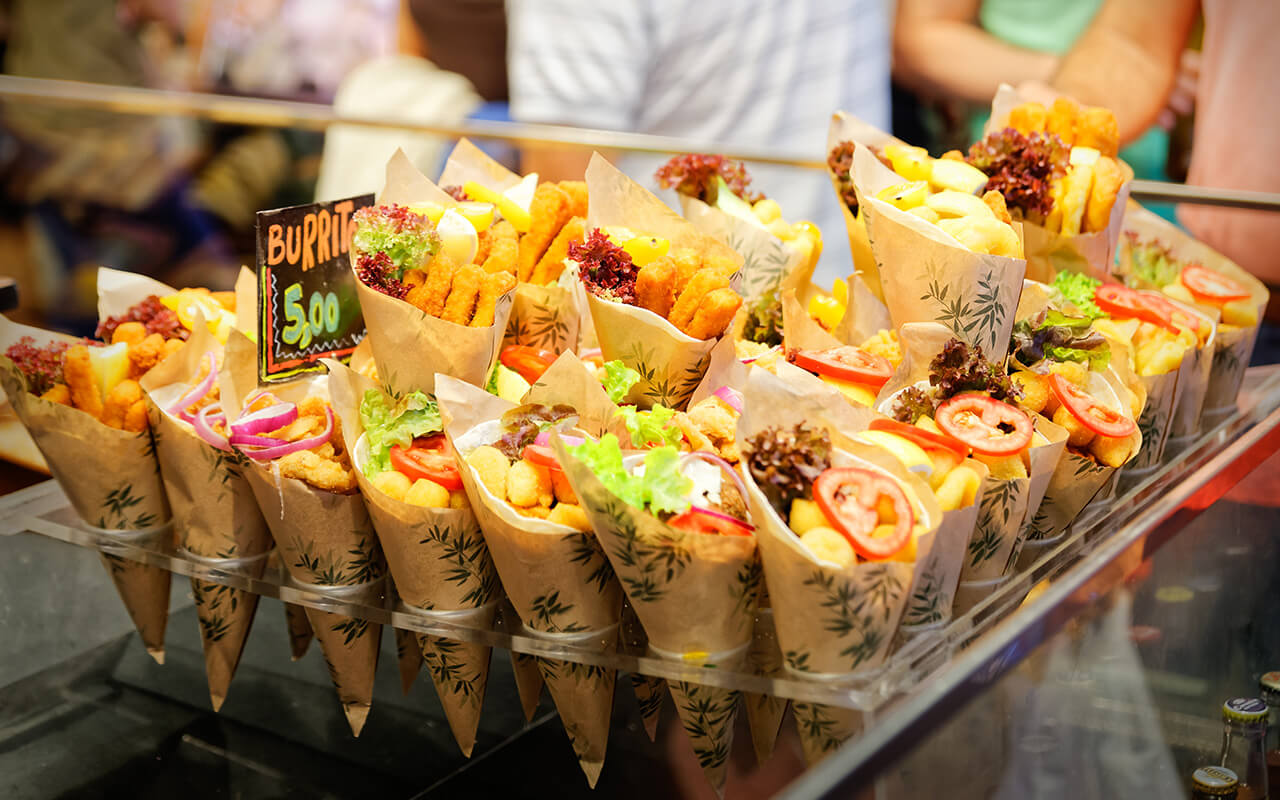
column 714, row 314
column 548, row 212
column 146, row 354
column 577, row 193
column 886, row 345
column 429, row 298
column 687, row 261
column 716, row 423
column 570, row 515
column 1111, row 452
column 495, row 285
column 461, row 305
column 528, row 485
column 700, row 285
column 118, row 402
column 1062, row 120
column 1107, row 179
column 501, row 245
column 1028, row 117
column 1097, row 128
column 551, row 264
column 81, row 382
column 225, row 299
column 129, row 332
column 995, row 201
column 135, row 419
column 58, row 393
column 491, row 467
column 326, row 467
column 656, row 286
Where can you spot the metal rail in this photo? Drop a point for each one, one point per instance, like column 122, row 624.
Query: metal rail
column 318, row 116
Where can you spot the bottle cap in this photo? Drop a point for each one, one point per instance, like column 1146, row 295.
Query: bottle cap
column 1214, row 781
column 1244, row 709
column 1270, row 685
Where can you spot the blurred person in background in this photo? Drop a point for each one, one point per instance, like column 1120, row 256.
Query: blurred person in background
column 763, row 75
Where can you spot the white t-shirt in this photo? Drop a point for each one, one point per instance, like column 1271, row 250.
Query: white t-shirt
column 747, row 73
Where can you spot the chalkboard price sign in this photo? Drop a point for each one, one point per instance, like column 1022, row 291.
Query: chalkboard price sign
column 307, row 303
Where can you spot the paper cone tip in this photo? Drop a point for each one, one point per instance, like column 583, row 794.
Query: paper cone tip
column 592, row 770
column 651, row 727
column 216, row 700
column 157, row 653
column 356, row 715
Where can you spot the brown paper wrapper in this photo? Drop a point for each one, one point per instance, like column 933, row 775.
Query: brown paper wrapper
column 528, row 683
column 927, row 276
column 764, row 711
column 708, row 714
column 409, row 346
column 350, row 649
column 824, row 729
column 408, row 657
column 933, row 583
column 299, row 627
column 766, row 259
column 110, row 477
column 650, row 691
column 1050, row 252
column 670, row 363
column 583, row 694
column 225, row 615
column 847, row 128
column 460, row 672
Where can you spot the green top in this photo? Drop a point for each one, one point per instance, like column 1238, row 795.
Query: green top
column 1046, row 26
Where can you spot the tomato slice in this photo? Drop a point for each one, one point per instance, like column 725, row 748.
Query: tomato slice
column 846, row 363
column 1167, row 311
column 430, row 458
column 1212, row 286
column 542, row 456
column 1122, row 301
column 701, row 520
column 1092, row 414
column 989, row 426
column 849, row 498
column 925, row 438
column 530, row 362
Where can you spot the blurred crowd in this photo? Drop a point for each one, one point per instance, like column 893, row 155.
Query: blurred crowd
column 175, row 196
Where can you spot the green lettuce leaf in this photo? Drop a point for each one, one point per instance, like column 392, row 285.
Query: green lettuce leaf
column 651, row 428
column 618, row 380
column 1097, row 358
column 387, row 423
column 661, row 488
column 1078, row 289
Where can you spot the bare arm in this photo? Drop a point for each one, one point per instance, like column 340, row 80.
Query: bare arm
column 939, row 50
column 556, row 163
column 1128, row 60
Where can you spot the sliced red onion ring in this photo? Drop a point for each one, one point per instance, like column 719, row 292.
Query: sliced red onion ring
column 265, row 420
column 731, row 396
column 725, row 467
column 773, row 349
column 746, row 526
column 203, row 423
column 249, row 440
column 544, row 439
column 196, row 393
column 593, row 352
column 285, row 448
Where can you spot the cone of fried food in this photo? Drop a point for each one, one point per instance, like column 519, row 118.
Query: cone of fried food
column 1155, row 254
column 536, row 221
column 433, row 299
column 301, row 475
column 434, row 549
column 660, row 293
column 552, row 567
column 1059, row 171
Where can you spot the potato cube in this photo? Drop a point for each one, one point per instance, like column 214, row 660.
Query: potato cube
column 805, row 516
column 392, row 484
column 570, row 514
column 428, row 494
column 492, row 467
column 1077, row 434
column 827, row 545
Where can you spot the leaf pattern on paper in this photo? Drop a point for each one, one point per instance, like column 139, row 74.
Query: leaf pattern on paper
column 360, row 564
column 351, row 629
column 860, row 613
column 548, row 609
column 470, row 566
column 450, row 668
column 818, row 726
column 554, row 669
column 119, row 510
column 707, row 716
column 797, row 660
column 1152, row 424
column 925, row 604
column 762, row 267
column 657, row 382
column 977, row 319
column 746, row 587
column 645, row 567
column 214, row 603
column 1041, row 525
column 587, row 551
column 537, row 325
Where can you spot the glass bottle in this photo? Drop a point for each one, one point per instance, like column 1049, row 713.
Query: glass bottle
column 1244, row 729
column 1270, row 685
column 1214, row 783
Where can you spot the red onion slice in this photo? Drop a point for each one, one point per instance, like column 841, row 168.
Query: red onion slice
column 285, row 448
column 544, row 439
column 746, row 526
column 593, row 352
column 731, row 397
column 725, row 467
column 249, row 440
column 265, row 420
column 196, row 393
column 773, row 349
column 204, row 421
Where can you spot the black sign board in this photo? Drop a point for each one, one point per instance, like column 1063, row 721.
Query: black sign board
column 307, row 303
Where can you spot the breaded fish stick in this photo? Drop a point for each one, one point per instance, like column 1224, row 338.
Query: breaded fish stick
column 80, row 379
column 551, row 264
column 548, row 213
column 503, row 248
column 431, row 295
column 494, row 286
column 714, row 314
column 656, row 286
column 687, row 261
column 703, row 281
column 577, row 192
column 461, row 304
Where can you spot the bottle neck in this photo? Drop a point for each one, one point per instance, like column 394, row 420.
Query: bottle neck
column 1243, row 751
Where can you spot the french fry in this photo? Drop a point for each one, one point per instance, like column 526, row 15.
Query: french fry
column 1107, row 178
column 551, row 264
column 1076, row 187
column 81, row 381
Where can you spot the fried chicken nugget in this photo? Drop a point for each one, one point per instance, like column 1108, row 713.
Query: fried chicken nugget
column 1028, row 117
column 551, row 264
column 656, row 286
column 503, row 248
column 146, row 354
column 703, row 282
column 135, row 419
column 548, row 213
column 1107, row 178
column 129, row 332
column 81, row 381
column 1097, row 128
column 58, row 393
column 495, row 285
column 1062, row 119
column 121, row 397
column 720, row 261
column 171, row 346
column 431, row 295
column 687, row 261
column 577, row 192
column 461, row 305
column 714, row 313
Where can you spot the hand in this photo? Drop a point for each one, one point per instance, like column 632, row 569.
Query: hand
column 1182, row 99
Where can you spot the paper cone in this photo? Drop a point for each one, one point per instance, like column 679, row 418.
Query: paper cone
column 847, row 128
column 110, row 477
column 766, row 259
column 823, row 729
column 649, row 690
column 300, row 632
column 1050, row 252
column 408, row 657
column 528, row 683
column 764, row 711
column 583, row 694
column 460, row 672
column 707, row 714
column 927, row 275
column 670, row 363
column 225, row 615
column 350, row 649
column 933, row 584
column 409, row 346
